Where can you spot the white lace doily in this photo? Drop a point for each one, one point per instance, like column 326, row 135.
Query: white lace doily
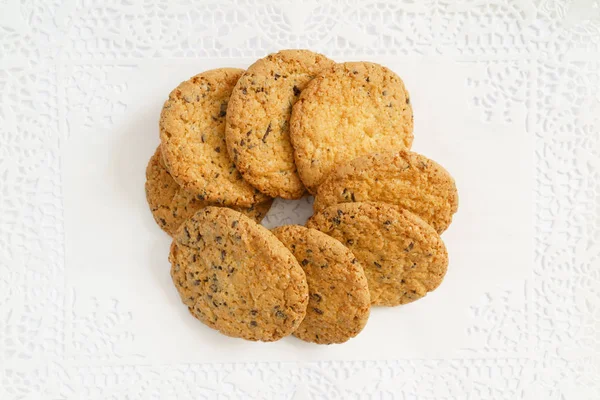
column 60, row 62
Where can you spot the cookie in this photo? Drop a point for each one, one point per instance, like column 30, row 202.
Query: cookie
column 171, row 205
column 406, row 179
column 348, row 110
column 258, row 117
column 403, row 257
column 339, row 301
column 192, row 136
column 237, row 277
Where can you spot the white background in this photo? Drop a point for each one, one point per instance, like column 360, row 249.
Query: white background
column 506, row 96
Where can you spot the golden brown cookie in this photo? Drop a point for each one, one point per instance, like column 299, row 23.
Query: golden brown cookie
column 405, row 179
column 258, row 117
column 403, row 257
column 171, row 205
column 348, row 110
column 192, row 135
column 237, row 277
column 339, row 301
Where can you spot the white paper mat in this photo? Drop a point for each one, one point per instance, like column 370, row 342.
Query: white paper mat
column 115, row 252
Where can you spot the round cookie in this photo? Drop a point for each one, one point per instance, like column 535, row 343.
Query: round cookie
column 237, row 277
column 402, row 256
column 171, row 205
column 407, row 179
column 192, row 135
column 258, row 116
column 348, row 110
column 339, row 301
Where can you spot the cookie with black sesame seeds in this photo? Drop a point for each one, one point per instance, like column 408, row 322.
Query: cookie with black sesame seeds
column 192, row 135
column 258, row 115
column 406, row 179
column 339, row 301
column 237, row 277
column 170, row 204
column 403, row 257
column 348, row 110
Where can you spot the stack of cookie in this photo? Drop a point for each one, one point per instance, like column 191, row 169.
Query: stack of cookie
column 296, row 122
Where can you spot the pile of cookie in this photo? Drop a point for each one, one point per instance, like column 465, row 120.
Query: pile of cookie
column 297, row 122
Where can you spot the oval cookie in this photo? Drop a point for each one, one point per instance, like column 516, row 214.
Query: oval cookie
column 258, row 117
column 407, row 179
column 171, row 205
column 402, row 256
column 348, row 110
column 339, row 301
column 192, row 136
column 236, row 277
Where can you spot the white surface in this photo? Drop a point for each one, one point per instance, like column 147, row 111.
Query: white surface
column 86, row 306
column 105, row 208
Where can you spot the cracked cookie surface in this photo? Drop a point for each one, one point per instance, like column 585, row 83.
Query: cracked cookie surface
column 237, row 277
column 258, row 115
column 170, row 204
column 403, row 257
column 406, row 179
column 339, row 301
column 348, row 110
column 192, row 135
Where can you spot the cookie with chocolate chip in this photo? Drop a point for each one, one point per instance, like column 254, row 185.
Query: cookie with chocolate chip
column 406, row 179
column 237, row 277
column 170, row 204
column 403, row 257
column 192, row 135
column 348, row 110
column 339, row 301
column 258, row 115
